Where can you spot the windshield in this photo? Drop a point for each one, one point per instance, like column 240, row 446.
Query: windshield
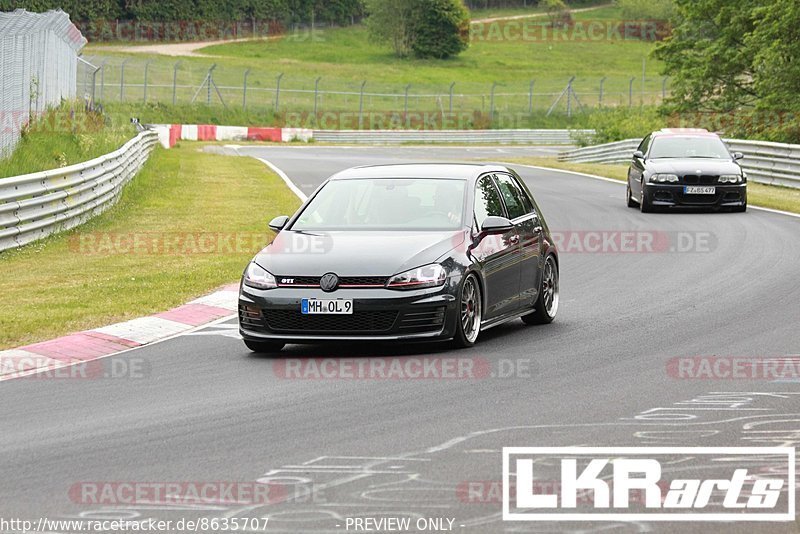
column 689, row 147
column 386, row 204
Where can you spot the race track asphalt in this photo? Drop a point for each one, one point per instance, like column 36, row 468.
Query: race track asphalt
column 205, row 409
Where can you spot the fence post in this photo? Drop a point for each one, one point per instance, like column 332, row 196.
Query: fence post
column 569, row 96
column 530, row 98
column 602, row 83
column 210, row 83
column 405, row 105
column 102, row 79
column 122, row 80
column 146, row 69
column 491, row 104
column 316, row 95
column 452, row 85
column 244, row 90
column 175, row 81
column 630, row 92
column 664, row 88
column 278, row 92
column 361, row 106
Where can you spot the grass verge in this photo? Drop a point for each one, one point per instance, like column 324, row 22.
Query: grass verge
column 198, row 217
column 63, row 136
column 765, row 196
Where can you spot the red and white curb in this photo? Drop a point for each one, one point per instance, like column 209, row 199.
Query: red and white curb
column 109, row 340
column 169, row 134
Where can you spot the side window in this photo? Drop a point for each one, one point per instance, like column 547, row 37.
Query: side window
column 487, row 201
column 517, row 203
column 645, row 144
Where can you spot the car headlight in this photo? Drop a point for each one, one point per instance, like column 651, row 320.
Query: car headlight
column 258, row 277
column 432, row 275
column 730, row 179
column 663, row 178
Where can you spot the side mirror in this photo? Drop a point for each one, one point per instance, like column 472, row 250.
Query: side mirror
column 638, row 154
column 278, row 223
column 738, row 155
column 496, row 225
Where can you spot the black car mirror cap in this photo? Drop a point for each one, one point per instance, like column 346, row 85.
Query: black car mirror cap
column 638, row 154
column 496, row 225
column 738, row 156
column 278, row 223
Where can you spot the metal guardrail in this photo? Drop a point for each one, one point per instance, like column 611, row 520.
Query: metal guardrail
column 33, row 206
column 764, row 162
column 533, row 137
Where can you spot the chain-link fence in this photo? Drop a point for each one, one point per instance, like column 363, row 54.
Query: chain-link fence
column 127, row 79
column 38, row 67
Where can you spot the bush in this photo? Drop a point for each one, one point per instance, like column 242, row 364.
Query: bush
column 558, row 12
column 661, row 10
column 616, row 124
column 441, row 29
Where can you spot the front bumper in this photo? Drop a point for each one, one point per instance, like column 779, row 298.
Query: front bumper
column 378, row 315
column 725, row 195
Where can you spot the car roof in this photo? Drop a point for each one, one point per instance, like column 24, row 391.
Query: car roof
column 684, row 132
column 451, row 171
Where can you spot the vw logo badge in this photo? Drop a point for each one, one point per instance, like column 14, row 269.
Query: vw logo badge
column 329, row 282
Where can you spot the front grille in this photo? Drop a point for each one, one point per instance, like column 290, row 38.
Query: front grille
column 424, row 320
column 344, row 281
column 704, row 179
column 292, row 321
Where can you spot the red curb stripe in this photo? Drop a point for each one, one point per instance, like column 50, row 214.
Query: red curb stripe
column 206, row 132
column 82, row 346
column 264, row 134
column 194, row 314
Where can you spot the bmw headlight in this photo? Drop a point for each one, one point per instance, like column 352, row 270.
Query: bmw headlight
column 258, row 277
column 432, row 275
column 730, row 179
column 664, row 178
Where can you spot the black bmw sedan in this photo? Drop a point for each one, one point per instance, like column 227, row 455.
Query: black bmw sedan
column 403, row 252
column 685, row 167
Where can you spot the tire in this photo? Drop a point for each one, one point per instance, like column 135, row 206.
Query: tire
column 470, row 313
column 631, row 203
column 546, row 307
column 264, row 347
column 646, row 206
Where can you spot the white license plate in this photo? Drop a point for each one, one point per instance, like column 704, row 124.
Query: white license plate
column 694, row 190
column 326, row 307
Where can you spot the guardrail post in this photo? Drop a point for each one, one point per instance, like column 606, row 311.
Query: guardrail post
column 278, row 92
column 244, row 90
column 602, row 84
column 361, row 106
column 630, row 92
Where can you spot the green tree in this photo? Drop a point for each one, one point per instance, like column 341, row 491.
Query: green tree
column 441, row 29
column 424, row 28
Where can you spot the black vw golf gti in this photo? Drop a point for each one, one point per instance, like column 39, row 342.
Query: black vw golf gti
column 402, row 252
column 685, row 167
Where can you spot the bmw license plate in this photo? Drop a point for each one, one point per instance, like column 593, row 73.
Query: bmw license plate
column 326, row 307
column 695, row 190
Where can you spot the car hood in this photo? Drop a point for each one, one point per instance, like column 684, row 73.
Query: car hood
column 348, row 253
column 700, row 166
